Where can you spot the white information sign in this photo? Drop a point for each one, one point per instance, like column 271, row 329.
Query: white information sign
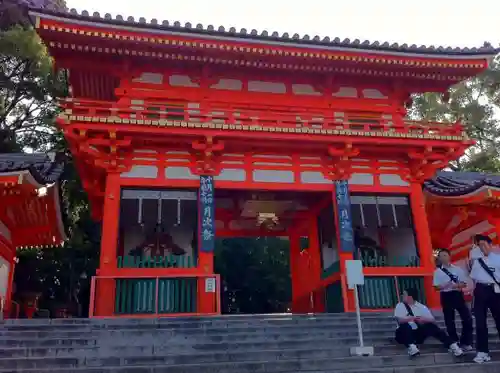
column 210, row 285
column 354, row 269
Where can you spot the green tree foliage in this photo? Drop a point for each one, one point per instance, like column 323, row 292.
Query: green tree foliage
column 255, row 274
column 476, row 103
column 29, row 85
column 28, row 88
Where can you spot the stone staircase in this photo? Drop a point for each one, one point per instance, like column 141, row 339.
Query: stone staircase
column 231, row 344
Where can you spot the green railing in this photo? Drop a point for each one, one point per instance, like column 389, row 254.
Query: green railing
column 175, row 261
column 393, row 261
column 383, row 292
column 141, row 296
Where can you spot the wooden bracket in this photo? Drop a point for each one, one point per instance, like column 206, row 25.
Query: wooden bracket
column 206, row 154
column 339, row 165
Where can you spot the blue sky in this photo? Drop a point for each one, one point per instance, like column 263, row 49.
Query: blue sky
column 436, row 22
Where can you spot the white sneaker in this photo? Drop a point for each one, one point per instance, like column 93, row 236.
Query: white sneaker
column 466, row 348
column 413, row 350
column 456, row 350
column 482, row 357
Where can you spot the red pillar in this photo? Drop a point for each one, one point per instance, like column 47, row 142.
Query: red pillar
column 298, row 290
column 318, row 294
column 105, row 287
column 206, row 300
column 424, row 242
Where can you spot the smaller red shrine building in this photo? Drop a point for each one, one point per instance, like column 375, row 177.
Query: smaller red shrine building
column 460, row 205
column 30, row 213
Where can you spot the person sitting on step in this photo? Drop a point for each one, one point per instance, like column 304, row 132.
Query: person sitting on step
column 416, row 323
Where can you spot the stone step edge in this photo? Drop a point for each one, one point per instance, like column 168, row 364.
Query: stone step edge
column 351, row 324
column 386, row 341
column 253, row 361
column 164, row 368
column 229, row 319
column 402, row 352
column 119, row 322
column 411, row 368
column 232, row 317
column 225, row 331
column 189, row 339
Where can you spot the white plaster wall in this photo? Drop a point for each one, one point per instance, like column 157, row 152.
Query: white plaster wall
column 181, row 81
column 231, row 174
column 346, row 92
column 269, row 87
column 392, row 180
column 229, row 84
column 304, row 89
column 182, row 173
column 361, row 179
column 273, row 176
column 373, row 93
column 143, row 172
column 151, row 78
column 313, row 177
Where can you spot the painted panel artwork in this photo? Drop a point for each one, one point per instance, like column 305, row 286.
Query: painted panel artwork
column 207, row 214
column 344, row 216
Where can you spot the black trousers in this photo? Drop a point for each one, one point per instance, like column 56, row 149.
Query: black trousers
column 452, row 301
column 485, row 298
column 405, row 335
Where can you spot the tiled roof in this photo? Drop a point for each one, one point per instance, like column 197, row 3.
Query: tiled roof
column 199, row 29
column 41, row 167
column 452, row 184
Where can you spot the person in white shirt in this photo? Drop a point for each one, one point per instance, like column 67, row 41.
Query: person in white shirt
column 475, row 252
column 451, row 280
column 486, row 274
column 416, row 323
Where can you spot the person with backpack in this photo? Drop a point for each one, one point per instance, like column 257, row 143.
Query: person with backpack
column 416, row 323
column 451, row 281
column 486, row 274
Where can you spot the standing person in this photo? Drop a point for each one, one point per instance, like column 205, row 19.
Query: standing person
column 486, row 274
column 451, row 280
column 416, row 323
column 475, row 251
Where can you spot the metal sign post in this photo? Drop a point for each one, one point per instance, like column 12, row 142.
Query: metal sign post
column 355, row 277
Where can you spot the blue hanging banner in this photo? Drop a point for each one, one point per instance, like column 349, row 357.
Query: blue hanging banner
column 206, row 205
column 344, row 216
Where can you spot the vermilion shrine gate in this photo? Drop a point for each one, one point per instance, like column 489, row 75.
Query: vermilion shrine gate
column 183, row 133
column 30, row 214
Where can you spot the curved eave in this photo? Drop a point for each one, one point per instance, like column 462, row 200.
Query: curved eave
column 24, row 234
column 22, row 177
column 264, row 39
column 482, row 194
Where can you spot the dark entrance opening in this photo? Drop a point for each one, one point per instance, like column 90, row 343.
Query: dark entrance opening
column 253, row 250
column 255, row 274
